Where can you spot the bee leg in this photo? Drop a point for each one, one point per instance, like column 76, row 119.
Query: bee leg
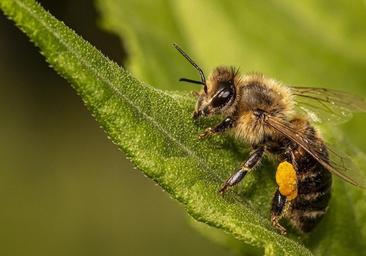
column 248, row 165
column 221, row 127
column 278, row 205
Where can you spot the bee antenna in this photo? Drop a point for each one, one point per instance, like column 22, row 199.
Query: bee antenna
column 191, row 81
column 185, row 55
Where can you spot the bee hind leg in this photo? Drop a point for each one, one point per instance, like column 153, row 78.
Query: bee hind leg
column 277, row 211
column 248, row 165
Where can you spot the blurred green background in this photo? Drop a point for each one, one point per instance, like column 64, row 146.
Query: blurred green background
column 65, row 189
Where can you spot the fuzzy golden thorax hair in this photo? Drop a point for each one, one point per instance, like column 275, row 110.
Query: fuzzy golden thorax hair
column 259, row 95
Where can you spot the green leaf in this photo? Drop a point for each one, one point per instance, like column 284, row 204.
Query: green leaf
column 301, row 42
column 155, row 129
column 307, row 42
column 225, row 240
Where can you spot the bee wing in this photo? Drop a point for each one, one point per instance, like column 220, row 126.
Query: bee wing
column 327, row 105
column 337, row 162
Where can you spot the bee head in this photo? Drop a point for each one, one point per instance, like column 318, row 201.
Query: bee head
column 218, row 92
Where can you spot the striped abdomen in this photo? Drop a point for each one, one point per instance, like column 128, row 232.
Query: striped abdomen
column 314, row 189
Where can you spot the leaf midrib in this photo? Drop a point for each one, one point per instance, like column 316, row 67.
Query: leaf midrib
column 161, row 129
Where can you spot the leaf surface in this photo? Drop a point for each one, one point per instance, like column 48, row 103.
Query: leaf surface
column 302, row 43
column 155, row 129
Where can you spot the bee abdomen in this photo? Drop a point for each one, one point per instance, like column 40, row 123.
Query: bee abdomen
column 314, row 191
column 306, row 222
column 317, row 180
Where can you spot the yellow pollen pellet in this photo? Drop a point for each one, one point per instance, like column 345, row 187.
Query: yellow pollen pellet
column 286, row 180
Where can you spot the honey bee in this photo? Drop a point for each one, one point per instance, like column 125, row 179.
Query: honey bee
column 278, row 120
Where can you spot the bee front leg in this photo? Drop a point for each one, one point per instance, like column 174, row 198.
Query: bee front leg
column 227, row 123
column 278, row 205
column 248, row 165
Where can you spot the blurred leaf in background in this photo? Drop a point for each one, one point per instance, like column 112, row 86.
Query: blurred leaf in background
column 155, row 128
column 65, row 189
column 264, row 43
column 301, row 43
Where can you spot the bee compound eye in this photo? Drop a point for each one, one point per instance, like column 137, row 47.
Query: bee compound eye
column 222, row 98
